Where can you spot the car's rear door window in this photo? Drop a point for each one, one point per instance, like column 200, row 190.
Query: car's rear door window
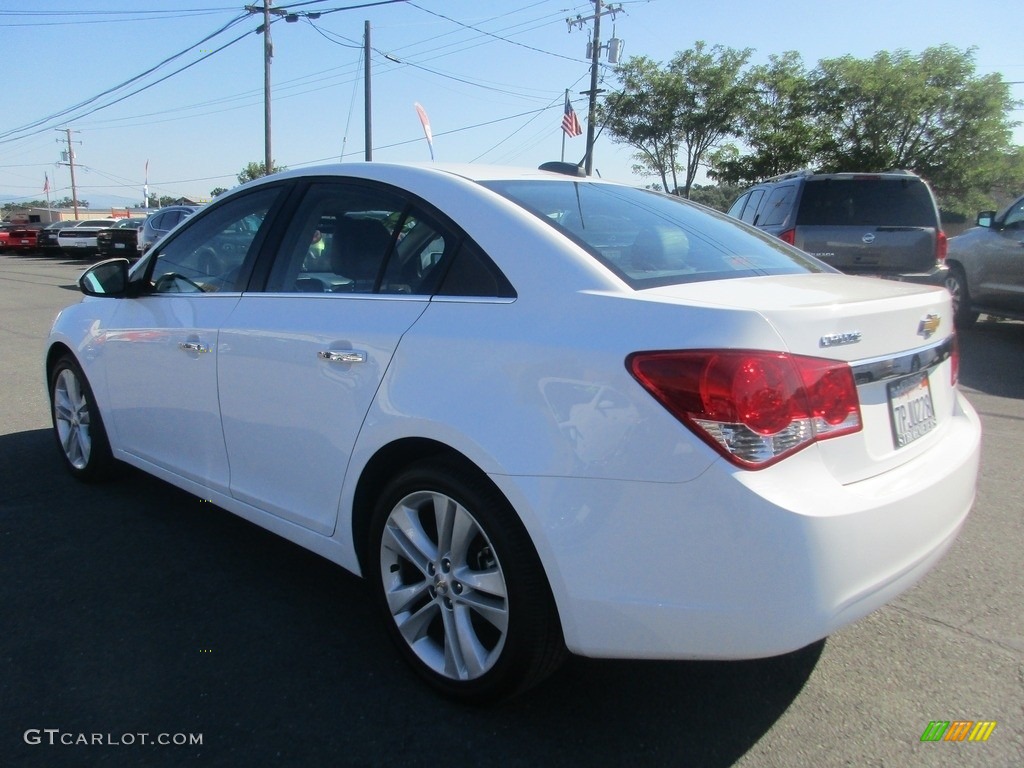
column 355, row 237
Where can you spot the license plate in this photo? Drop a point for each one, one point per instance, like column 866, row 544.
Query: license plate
column 118, row 245
column 80, row 244
column 911, row 409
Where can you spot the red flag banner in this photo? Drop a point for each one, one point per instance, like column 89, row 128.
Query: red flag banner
column 425, row 122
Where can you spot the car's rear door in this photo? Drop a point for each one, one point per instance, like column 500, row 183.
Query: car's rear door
column 302, row 360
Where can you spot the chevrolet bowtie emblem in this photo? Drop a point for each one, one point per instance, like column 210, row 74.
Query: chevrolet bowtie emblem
column 929, row 325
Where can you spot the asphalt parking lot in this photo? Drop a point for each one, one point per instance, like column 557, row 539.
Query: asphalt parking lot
column 136, row 613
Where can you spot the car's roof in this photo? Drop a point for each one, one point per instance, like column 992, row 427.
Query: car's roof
column 380, row 170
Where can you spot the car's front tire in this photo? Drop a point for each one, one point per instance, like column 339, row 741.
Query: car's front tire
column 77, row 425
column 956, row 284
column 461, row 587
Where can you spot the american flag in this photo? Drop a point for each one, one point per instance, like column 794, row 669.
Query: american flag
column 570, row 123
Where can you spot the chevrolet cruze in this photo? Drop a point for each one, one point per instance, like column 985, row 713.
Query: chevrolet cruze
column 538, row 413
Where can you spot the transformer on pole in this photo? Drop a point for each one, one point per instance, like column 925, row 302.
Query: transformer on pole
column 594, row 48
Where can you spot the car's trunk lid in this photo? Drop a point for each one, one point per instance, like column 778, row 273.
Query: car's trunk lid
column 897, row 337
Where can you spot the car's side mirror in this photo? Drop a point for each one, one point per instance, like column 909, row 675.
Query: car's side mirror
column 985, row 218
column 108, row 278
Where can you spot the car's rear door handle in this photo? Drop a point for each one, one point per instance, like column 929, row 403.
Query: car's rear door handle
column 342, row 356
column 193, row 346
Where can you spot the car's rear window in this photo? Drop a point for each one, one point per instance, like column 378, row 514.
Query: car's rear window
column 650, row 239
column 863, row 201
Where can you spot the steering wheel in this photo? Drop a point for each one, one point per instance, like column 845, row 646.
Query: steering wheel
column 171, row 282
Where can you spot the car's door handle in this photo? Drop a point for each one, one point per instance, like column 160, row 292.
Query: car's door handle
column 193, row 346
column 342, row 356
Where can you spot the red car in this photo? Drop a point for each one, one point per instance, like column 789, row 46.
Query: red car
column 22, row 237
column 5, row 236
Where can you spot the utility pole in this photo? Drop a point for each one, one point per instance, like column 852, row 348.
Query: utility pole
column 594, row 50
column 367, row 95
column 268, row 55
column 71, row 163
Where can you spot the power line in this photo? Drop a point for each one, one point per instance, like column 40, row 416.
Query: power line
column 490, row 34
column 68, row 110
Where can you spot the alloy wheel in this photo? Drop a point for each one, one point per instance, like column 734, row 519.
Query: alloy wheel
column 444, row 585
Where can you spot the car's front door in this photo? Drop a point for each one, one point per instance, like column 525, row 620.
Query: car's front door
column 302, row 361
column 1003, row 270
column 162, row 348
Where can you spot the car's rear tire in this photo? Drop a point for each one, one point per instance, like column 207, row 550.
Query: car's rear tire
column 956, row 284
column 77, row 425
column 461, row 587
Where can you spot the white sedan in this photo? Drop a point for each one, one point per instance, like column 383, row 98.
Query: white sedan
column 539, row 413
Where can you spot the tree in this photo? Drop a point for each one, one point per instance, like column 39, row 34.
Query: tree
column 258, row 170
column 719, row 197
column 217, row 191
column 160, row 202
column 67, row 202
column 714, row 98
column 778, row 127
column 674, row 115
column 642, row 115
column 930, row 114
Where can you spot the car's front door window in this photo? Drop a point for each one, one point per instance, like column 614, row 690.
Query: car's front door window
column 210, row 254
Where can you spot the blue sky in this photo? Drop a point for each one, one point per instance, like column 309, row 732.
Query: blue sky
column 491, row 76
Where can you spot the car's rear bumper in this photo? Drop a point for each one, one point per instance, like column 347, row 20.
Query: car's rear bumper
column 742, row 564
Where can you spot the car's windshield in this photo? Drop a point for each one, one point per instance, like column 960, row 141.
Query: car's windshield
column 650, row 239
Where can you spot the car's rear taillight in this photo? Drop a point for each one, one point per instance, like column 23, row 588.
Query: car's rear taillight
column 753, row 407
column 789, row 236
column 941, row 246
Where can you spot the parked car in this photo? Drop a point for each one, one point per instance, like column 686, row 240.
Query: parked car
column 535, row 412
column 881, row 224
column 5, row 234
column 120, row 239
column 162, row 222
column 986, row 266
column 47, row 238
column 23, row 238
column 80, row 239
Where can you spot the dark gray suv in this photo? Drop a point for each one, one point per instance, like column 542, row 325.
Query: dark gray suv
column 879, row 224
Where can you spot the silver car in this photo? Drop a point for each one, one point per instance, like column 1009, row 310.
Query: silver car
column 162, row 222
column 986, row 266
